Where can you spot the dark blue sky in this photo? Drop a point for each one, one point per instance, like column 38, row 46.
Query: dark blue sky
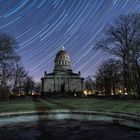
column 41, row 27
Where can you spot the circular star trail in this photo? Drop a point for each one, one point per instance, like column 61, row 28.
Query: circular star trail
column 42, row 27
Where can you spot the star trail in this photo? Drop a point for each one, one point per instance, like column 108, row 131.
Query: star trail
column 42, row 27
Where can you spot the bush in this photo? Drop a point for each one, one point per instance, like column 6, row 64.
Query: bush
column 4, row 94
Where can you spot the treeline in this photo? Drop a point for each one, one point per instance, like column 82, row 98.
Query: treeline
column 122, row 40
column 14, row 79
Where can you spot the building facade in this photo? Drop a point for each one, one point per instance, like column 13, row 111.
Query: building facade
column 62, row 79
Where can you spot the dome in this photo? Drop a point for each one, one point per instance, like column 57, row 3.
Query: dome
column 62, row 61
column 62, row 55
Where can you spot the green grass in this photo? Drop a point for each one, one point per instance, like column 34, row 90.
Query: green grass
column 125, row 106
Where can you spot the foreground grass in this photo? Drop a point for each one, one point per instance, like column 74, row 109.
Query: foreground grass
column 38, row 104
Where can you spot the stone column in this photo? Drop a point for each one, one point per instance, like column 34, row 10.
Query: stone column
column 42, row 84
column 54, row 83
column 58, row 84
column 69, row 83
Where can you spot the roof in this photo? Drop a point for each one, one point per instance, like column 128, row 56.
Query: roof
column 62, row 55
column 53, row 73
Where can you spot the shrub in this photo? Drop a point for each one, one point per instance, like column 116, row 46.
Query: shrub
column 4, row 94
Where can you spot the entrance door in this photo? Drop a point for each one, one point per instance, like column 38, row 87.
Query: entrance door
column 62, row 88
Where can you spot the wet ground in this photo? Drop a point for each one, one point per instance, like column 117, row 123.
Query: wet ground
column 68, row 130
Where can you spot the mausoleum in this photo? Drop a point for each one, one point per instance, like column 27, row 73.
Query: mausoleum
column 62, row 79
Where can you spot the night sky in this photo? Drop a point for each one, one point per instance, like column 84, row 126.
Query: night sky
column 42, row 27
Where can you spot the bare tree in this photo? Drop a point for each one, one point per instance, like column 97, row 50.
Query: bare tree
column 37, row 87
column 7, row 48
column 7, row 56
column 19, row 75
column 89, row 83
column 12, row 73
column 108, row 77
column 4, row 74
column 29, row 85
column 122, row 39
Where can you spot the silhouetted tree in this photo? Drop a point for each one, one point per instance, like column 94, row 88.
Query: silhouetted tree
column 12, row 73
column 89, row 83
column 4, row 74
column 7, row 56
column 29, row 85
column 122, row 39
column 7, row 48
column 37, row 87
column 19, row 75
column 108, row 76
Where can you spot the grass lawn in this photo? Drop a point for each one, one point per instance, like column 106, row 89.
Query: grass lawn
column 89, row 104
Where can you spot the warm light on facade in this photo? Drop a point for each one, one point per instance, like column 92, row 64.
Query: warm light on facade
column 120, row 91
column 125, row 93
column 88, row 92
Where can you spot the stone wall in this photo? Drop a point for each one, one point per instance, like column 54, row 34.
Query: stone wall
column 76, row 84
column 54, row 83
column 48, row 85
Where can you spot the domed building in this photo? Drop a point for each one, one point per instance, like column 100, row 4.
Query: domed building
column 62, row 80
